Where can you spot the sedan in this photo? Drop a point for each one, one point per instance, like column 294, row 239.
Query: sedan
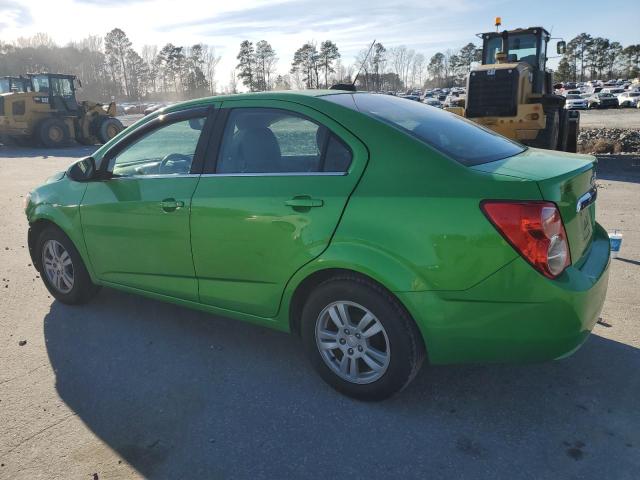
column 576, row 102
column 380, row 231
column 432, row 101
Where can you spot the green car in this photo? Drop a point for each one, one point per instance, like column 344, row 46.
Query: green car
column 382, row 231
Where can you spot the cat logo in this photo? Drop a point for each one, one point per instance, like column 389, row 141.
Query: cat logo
column 491, row 71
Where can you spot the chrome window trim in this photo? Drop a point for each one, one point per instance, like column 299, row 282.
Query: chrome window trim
column 155, row 175
column 280, row 174
column 184, row 175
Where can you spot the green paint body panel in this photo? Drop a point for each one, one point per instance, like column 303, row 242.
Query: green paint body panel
column 404, row 215
column 131, row 241
column 247, row 243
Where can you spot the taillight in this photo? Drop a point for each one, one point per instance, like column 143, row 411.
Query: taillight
column 535, row 230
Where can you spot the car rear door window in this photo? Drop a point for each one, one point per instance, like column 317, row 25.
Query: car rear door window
column 276, row 141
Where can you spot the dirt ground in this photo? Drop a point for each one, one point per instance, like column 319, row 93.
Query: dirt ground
column 127, row 387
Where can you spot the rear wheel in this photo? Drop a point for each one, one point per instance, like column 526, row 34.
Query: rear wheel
column 360, row 339
column 109, row 128
column 53, row 132
column 548, row 138
column 62, row 269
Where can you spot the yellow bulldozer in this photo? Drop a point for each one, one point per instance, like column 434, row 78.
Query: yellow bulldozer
column 42, row 109
column 512, row 93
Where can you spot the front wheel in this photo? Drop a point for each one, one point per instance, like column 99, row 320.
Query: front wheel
column 360, row 339
column 109, row 128
column 62, row 269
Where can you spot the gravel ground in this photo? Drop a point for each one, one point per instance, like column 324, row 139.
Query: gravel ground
column 610, row 118
column 127, row 387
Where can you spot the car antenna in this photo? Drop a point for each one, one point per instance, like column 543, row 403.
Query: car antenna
column 351, row 87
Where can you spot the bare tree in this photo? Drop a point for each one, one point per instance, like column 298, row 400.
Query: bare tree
column 211, row 61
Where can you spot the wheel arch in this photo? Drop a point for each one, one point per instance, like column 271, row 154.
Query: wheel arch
column 43, row 219
column 304, row 284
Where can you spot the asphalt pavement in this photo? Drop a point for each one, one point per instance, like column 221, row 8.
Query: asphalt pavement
column 127, row 387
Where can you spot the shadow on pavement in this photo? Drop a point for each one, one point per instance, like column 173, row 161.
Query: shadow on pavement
column 624, row 168
column 78, row 151
column 181, row 394
column 628, row 260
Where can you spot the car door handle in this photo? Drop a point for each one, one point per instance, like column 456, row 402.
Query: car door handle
column 303, row 202
column 171, row 204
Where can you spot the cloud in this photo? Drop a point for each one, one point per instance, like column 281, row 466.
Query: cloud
column 14, row 14
column 290, row 17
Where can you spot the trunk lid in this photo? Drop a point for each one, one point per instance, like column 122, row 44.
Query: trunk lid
column 566, row 179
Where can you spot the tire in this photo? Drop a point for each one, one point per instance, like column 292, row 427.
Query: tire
column 397, row 338
column 548, row 138
column 53, row 133
column 563, row 135
column 109, row 128
column 51, row 245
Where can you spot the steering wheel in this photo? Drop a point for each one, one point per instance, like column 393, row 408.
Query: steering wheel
column 174, row 158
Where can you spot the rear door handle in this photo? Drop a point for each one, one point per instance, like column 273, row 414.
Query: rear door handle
column 303, row 202
column 171, row 204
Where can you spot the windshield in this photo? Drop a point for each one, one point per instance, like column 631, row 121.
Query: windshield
column 4, row 85
column 605, row 95
column 40, row 83
column 522, row 48
column 452, row 135
column 573, row 97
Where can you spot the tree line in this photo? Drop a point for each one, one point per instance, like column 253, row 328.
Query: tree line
column 109, row 66
column 376, row 68
column 596, row 58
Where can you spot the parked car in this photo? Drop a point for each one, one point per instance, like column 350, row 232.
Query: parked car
column 411, row 97
column 613, row 90
column 603, row 100
column 576, row 102
column 381, row 231
column 629, row 99
column 432, row 102
column 455, row 100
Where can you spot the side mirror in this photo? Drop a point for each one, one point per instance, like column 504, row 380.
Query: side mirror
column 561, row 47
column 83, row 170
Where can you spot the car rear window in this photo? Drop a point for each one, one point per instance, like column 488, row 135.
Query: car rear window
column 456, row 137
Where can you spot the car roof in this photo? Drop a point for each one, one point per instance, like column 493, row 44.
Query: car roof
column 271, row 95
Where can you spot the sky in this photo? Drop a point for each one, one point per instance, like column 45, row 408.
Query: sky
column 427, row 26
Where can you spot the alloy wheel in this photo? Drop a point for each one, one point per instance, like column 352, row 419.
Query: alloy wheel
column 58, row 266
column 352, row 342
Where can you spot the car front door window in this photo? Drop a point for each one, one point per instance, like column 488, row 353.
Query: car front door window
column 168, row 150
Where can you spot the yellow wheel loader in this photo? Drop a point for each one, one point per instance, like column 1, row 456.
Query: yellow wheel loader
column 512, row 92
column 45, row 112
column 14, row 84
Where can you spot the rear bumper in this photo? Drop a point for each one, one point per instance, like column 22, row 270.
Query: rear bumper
column 515, row 315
